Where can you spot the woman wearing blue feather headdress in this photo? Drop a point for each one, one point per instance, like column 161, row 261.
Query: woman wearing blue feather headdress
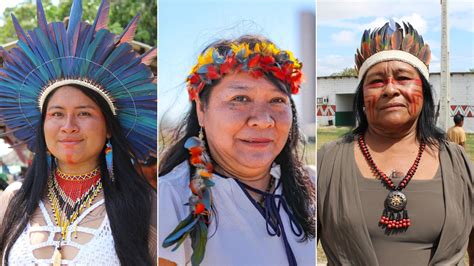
column 84, row 102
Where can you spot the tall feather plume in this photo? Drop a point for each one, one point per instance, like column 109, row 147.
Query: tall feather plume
column 148, row 56
column 41, row 17
column 18, row 29
column 73, row 27
column 129, row 32
column 102, row 19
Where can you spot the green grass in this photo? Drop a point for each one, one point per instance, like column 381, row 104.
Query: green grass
column 327, row 134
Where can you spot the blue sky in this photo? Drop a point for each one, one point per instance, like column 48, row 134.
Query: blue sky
column 186, row 27
column 340, row 25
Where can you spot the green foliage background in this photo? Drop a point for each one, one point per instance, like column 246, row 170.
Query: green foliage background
column 121, row 12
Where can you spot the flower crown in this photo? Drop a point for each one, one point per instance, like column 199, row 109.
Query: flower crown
column 257, row 60
column 389, row 43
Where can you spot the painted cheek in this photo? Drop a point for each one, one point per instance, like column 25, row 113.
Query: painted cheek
column 414, row 95
column 370, row 100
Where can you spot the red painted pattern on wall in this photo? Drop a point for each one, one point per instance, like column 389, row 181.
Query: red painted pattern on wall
column 325, row 110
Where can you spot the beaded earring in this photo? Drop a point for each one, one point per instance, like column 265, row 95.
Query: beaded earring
column 109, row 159
column 200, row 202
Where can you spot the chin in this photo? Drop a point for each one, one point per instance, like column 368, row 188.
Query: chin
column 256, row 160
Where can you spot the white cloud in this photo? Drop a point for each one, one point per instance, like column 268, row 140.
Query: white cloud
column 344, row 38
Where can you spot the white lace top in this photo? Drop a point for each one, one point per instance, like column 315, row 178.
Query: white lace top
column 98, row 251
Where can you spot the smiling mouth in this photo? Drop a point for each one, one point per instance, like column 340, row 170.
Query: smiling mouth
column 70, row 142
column 260, row 142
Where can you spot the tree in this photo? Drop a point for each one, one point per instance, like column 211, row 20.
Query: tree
column 121, row 12
column 347, row 72
column 471, row 70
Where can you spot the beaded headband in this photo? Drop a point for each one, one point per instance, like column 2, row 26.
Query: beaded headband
column 391, row 43
column 259, row 59
column 55, row 54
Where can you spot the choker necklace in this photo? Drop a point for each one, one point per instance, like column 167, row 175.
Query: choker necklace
column 394, row 215
column 69, row 195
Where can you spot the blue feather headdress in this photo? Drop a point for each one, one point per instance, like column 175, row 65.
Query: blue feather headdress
column 53, row 55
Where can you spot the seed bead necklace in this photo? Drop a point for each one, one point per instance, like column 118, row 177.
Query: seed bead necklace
column 69, row 196
column 394, row 216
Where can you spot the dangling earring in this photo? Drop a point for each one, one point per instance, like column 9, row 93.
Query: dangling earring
column 109, row 160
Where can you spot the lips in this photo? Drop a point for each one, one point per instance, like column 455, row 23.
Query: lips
column 257, row 142
column 70, row 141
column 392, row 106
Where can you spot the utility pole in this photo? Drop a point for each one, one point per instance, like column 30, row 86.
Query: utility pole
column 445, row 82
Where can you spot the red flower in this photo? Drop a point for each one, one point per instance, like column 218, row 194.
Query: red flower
column 192, row 94
column 212, row 72
column 256, row 73
column 227, row 66
column 195, row 78
column 254, row 61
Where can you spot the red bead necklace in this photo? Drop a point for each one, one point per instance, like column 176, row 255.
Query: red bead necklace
column 394, row 216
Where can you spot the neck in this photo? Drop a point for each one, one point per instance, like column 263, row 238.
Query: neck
column 382, row 135
column 255, row 179
column 75, row 168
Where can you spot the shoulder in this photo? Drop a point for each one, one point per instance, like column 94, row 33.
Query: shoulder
column 6, row 196
column 178, row 177
column 173, row 188
column 330, row 149
column 10, row 191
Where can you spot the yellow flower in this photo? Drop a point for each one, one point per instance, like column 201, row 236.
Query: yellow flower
column 205, row 58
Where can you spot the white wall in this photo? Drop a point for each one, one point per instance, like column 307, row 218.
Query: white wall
column 462, row 96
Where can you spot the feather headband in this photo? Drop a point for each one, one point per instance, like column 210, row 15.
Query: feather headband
column 53, row 55
column 391, row 43
column 257, row 60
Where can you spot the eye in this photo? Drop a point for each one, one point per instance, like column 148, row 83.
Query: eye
column 279, row 100
column 56, row 114
column 376, row 81
column 241, row 98
column 84, row 113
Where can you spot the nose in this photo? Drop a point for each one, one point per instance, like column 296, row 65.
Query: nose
column 391, row 88
column 70, row 125
column 261, row 116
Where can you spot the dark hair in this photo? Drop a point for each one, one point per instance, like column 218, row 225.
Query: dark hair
column 458, row 118
column 298, row 188
column 426, row 129
column 128, row 198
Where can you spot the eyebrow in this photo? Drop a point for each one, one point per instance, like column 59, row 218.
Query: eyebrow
column 238, row 87
column 77, row 107
column 398, row 70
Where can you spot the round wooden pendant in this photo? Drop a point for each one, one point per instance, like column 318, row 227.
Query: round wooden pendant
column 396, row 200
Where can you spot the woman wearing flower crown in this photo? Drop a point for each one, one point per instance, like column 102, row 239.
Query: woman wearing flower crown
column 233, row 190
column 394, row 191
column 85, row 102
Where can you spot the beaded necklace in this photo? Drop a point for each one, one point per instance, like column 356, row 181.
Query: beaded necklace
column 394, row 215
column 69, row 195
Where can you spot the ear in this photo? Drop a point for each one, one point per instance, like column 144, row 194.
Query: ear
column 200, row 111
